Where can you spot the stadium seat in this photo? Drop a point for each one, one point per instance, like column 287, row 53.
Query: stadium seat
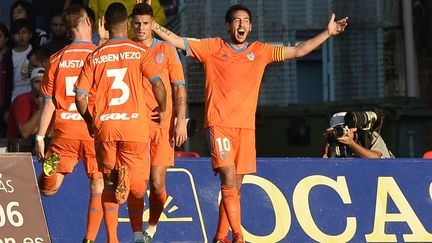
column 186, row 154
column 427, row 155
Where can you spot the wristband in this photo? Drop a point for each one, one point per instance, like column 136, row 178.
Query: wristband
column 39, row 138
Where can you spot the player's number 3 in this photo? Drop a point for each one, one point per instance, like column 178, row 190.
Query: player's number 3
column 118, row 83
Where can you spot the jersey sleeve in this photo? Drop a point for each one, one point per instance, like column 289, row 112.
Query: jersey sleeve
column 85, row 79
column 199, row 48
column 47, row 86
column 273, row 53
column 174, row 66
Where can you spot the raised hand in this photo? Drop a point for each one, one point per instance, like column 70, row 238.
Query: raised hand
column 140, row 1
column 336, row 27
column 103, row 33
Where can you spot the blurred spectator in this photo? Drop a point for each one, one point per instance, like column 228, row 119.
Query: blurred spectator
column 58, row 34
column 17, row 75
column 24, row 116
column 4, row 37
column 38, row 57
column 22, row 9
column 170, row 7
column 44, row 9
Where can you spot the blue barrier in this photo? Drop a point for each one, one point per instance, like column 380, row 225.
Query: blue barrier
column 288, row 200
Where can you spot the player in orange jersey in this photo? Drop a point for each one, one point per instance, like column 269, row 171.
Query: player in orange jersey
column 162, row 136
column 233, row 71
column 118, row 121
column 71, row 140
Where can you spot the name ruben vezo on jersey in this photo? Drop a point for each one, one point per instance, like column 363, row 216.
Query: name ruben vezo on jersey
column 116, row 57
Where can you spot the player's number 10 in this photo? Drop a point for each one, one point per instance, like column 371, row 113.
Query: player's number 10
column 14, row 217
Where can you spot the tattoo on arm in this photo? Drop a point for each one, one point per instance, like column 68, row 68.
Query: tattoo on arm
column 181, row 101
column 163, row 30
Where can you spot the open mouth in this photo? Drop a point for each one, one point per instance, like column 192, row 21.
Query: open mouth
column 241, row 32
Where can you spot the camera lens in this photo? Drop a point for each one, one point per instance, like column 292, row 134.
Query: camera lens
column 360, row 119
column 339, row 131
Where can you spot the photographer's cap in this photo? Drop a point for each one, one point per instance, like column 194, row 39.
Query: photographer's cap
column 337, row 119
column 37, row 72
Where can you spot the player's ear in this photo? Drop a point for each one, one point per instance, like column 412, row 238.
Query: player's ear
column 128, row 25
column 228, row 27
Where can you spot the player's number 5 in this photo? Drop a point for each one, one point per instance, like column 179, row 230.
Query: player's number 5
column 119, row 83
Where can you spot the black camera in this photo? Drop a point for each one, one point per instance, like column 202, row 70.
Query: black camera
column 360, row 119
column 340, row 131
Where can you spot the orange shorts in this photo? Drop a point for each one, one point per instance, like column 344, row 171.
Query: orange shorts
column 232, row 146
column 161, row 147
column 113, row 154
column 71, row 151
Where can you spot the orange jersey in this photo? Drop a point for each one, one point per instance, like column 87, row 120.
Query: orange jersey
column 172, row 74
column 115, row 72
column 58, row 82
column 233, row 78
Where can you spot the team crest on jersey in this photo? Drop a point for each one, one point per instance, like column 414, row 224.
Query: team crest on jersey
column 250, row 56
column 223, row 155
column 159, row 58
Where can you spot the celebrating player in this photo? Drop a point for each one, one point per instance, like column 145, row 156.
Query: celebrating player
column 163, row 135
column 233, row 71
column 118, row 121
column 71, row 141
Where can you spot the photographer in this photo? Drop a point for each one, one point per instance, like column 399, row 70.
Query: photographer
column 353, row 134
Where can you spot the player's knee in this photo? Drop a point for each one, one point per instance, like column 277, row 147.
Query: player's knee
column 138, row 188
column 157, row 186
column 96, row 185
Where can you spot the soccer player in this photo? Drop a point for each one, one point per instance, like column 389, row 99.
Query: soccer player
column 118, row 121
column 233, row 71
column 71, row 141
column 162, row 136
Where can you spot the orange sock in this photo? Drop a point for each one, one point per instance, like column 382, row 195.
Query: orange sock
column 47, row 183
column 110, row 209
column 231, row 203
column 157, row 202
column 223, row 224
column 94, row 216
column 135, row 210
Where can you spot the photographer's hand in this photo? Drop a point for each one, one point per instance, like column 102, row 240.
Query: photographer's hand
column 348, row 139
column 362, row 152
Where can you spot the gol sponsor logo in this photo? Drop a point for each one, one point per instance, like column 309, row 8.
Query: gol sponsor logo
column 118, row 116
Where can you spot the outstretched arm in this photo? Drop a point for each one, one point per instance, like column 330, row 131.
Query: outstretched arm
column 302, row 49
column 169, row 36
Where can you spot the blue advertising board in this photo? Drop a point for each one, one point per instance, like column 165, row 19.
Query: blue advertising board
column 287, row 200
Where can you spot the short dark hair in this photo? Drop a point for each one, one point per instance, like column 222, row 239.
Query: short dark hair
column 91, row 14
column 4, row 29
column 115, row 14
column 19, row 24
column 142, row 9
column 41, row 53
column 27, row 6
column 230, row 12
